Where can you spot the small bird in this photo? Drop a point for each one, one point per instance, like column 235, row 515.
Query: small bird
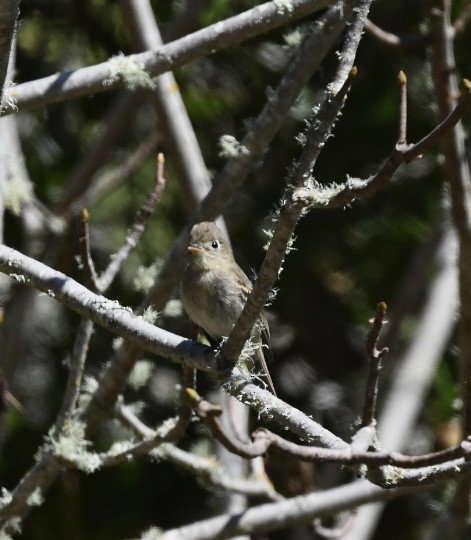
column 214, row 288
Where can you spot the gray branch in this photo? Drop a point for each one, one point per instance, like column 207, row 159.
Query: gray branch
column 102, row 77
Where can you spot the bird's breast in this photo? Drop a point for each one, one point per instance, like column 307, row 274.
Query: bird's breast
column 211, row 301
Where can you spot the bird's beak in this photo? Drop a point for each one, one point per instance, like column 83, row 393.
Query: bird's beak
column 195, row 249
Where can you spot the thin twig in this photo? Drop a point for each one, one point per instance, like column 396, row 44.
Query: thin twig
column 86, row 256
column 357, row 188
column 210, row 415
column 9, row 11
column 114, row 124
column 402, row 138
column 142, row 217
column 388, row 38
column 374, row 356
column 105, row 183
column 263, row 439
column 206, row 470
column 76, row 367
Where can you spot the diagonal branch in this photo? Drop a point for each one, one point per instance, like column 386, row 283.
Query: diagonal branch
column 106, row 313
column 102, row 77
column 272, row 516
column 375, row 356
column 9, row 11
column 174, row 122
column 295, row 204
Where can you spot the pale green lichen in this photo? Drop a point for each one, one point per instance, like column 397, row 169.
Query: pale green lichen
column 141, row 374
column 5, row 498
column 117, row 343
column 10, row 527
column 9, row 101
column 36, row 498
column 154, row 533
column 70, row 444
column 284, row 6
column 145, row 277
column 230, row 147
column 173, row 308
column 150, row 315
column 120, row 447
column 18, row 192
column 294, row 39
column 130, row 71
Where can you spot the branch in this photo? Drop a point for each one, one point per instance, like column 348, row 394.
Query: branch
column 295, row 205
column 104, row 312
column 273, row 516
column 402, row 138
column 274, row 409
column 105, row 183
column 339, row 196
column 206, row 470
column 9, row 11
column 388, row 38
column 140, row 221
column 112, row 74
column 85, row 253
column 114, row 123
column 178, row 132
column 458, row 177
column 374, row 356
column 409, row 470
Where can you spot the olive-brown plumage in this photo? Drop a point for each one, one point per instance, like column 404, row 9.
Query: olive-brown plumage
column 214, row 288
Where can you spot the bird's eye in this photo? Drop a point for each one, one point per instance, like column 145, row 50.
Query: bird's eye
column 215, row 244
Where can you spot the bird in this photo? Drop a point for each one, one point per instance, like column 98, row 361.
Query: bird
column 214, row 289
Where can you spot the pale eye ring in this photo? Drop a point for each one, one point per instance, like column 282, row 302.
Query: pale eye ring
column 215, row 244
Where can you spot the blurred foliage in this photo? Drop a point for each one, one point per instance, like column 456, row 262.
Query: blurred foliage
column 345, row 260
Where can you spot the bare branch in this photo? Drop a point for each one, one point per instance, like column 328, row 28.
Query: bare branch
column 356, row 188
column 388, row 38
column 206, row 470
column 374, row 357
column 174, row 122
column 458, row 176
column 102, row 311
column 105, row 183
column 76, row 367
column 103, row 77
column 402, row 138
column 86, row 256
column 9, row 11
column 134, row 235
column 272, row 516
column 295, row 206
